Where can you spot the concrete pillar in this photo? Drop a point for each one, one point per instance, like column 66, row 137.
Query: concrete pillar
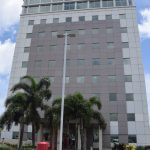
column 79, row 138
column 100, row 139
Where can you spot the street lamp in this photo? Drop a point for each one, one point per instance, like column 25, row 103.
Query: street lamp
column 66, row 35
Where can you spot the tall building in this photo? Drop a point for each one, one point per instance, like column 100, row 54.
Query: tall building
column 103, row 59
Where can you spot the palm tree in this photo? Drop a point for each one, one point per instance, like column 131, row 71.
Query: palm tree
column 52, row 117
column 80, row 110
column 37, row 94
column 15, row 109
column 91, row 113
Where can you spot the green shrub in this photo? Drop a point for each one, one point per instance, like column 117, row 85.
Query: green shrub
column 147, row 147
column 140, row 148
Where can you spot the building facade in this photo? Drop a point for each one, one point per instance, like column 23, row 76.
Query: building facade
column 103, row 59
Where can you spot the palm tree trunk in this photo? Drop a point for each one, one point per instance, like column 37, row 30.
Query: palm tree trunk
column 53, row 139
column 33, row 135
column 82, row 134
column 21, row 135
column 84, row 139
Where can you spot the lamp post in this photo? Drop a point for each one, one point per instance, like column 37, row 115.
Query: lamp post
column 66, row 35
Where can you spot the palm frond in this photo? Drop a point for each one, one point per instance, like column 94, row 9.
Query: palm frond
column 21, row 86
column 30, row 79
column 94, row 101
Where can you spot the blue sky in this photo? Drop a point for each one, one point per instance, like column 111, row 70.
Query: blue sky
column 9, row 17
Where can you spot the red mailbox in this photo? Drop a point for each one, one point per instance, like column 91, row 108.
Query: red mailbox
column 43, row 146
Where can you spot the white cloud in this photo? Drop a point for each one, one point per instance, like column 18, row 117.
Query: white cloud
column 144, row 26
column 6, row 56
column 9, row 13
column 147, row 81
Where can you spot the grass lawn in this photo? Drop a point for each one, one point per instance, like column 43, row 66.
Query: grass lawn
column 5, row 147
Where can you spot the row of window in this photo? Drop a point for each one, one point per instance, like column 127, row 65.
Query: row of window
column 80, row 62
column 15, row 135
column 131, row 138
column 94, row 31
column 114, row 117
column 73, row 5
column 80, row 46
column 81, row 18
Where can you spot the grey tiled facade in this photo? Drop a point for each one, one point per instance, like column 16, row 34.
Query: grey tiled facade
column 104, row 85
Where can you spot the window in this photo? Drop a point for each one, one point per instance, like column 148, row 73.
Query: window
column 68, row 31
column 80, row 79
column 51, row 63
column 112, row 97
column 69, row 19
column 68, row 62
column 55, row 20
column 57, row 7
column 31, row 22
column 39, row 48
column 81, row 31
column 122, row 16
column 80, row 46
column 45, row 8
column 27, row 49
column 113, row 117
column 95, row 78
column 24, row 64
column 107, row 3
column 128, row 78
column 54, row 34
column 94, row 4
column 108, row 17
column 95, row 45
column 129, row 97
column 29, row 135
column 121, row 2
column 95, row 18
column 95, row 31
column 81, row 5
column 29, row 35
column 34, row 1
column 41, row 34
column 109, row 30
column 69, row 6
column 132, row 139
column 114, row 138
column 112, row 78
column 80, row 62
column 15, row 135
column 95, row 61
column 33, row 9
column 126, row 61
column 110, row 45
column 82, row 18
column 130, row 2
column 68, row 47
column 52, row 47
column 24, row 10
column 67, row 79
column 125, row 45
column 52, row 79
column 123, row 30
column 45, row 1
column 131, row 117
column 38, row 63
column 43, row 21
column 111, row 61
